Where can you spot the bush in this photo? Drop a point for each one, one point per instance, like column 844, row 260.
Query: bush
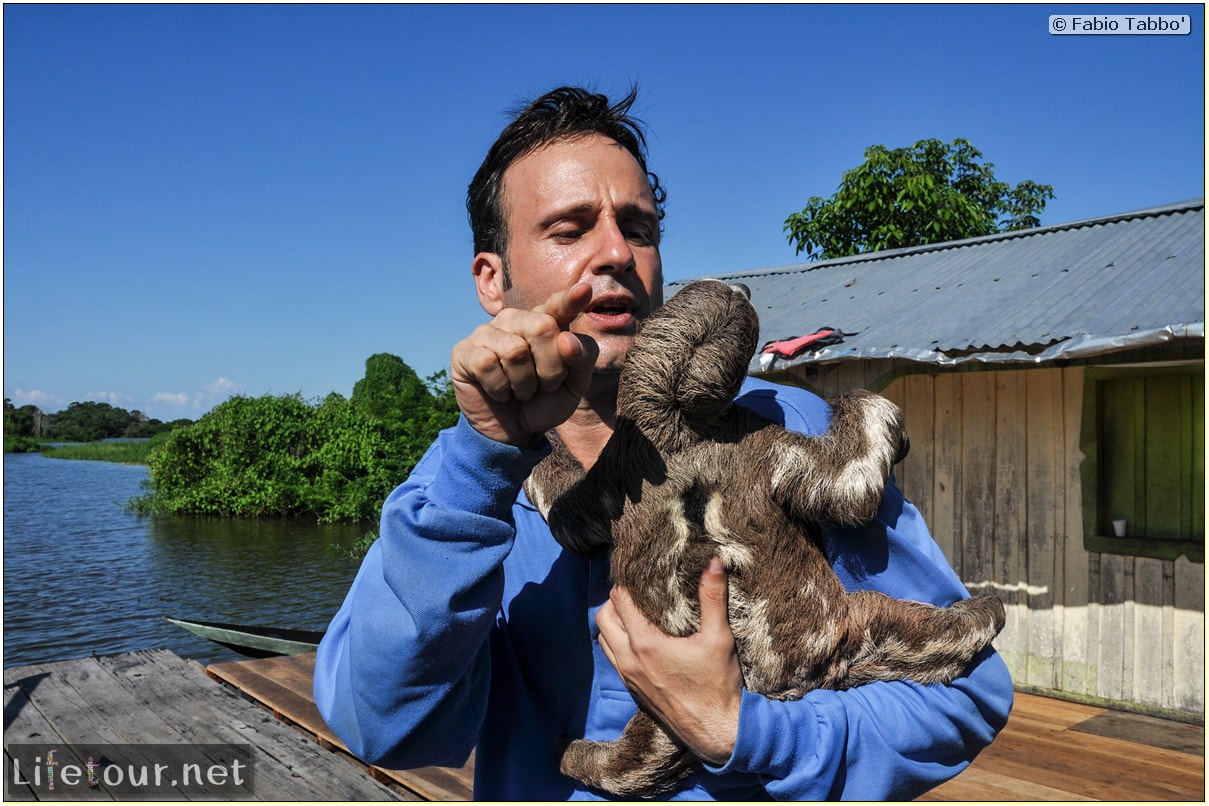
column 280, row 456
column 22, row 444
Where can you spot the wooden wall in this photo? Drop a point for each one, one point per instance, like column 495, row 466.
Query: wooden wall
column 995, row 468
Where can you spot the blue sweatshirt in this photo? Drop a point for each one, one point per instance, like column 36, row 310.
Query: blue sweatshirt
column 469, row 626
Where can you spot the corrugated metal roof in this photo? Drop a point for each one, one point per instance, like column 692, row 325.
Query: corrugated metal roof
column 1065, row 291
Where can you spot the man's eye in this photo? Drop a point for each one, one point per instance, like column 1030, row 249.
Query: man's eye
column 639, row 235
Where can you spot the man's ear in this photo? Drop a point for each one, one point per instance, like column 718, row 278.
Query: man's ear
column 488, row 268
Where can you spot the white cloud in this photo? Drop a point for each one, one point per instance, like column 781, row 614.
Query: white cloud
column 223, row 387
column 173, row 400
column 45, row 401
column 173, row 405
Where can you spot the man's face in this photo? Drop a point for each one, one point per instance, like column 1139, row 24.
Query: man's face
column 582, row 210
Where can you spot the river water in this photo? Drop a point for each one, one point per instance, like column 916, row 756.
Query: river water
column 84, row 576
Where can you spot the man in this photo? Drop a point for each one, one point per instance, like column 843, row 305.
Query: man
column 468, row 626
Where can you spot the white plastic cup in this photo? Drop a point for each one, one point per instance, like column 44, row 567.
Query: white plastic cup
column 1118, row 527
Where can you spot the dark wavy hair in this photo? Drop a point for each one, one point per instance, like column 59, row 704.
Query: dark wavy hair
column 565, row 113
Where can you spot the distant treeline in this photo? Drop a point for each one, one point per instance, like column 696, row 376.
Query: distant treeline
column 27, row 427
column 336, row 460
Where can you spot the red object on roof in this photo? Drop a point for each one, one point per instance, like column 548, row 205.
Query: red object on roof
column 788, row 348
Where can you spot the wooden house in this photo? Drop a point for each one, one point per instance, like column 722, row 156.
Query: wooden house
column 1053, row 383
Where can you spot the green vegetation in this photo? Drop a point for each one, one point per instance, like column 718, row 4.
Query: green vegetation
column 927, row 193
column 15, row 444
column 127, row 453
column 358, row 548
column 281, row 456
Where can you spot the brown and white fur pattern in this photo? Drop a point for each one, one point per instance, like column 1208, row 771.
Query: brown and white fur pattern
column 688, row 475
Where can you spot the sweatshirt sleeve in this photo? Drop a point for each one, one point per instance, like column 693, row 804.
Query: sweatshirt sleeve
column 884, row 740
column 401, row 674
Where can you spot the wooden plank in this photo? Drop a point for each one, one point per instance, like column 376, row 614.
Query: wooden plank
column 259, row 683
column 1045, row 523
column 1197, row 479
column 283, row 685
column 1165, row 693
column 916, row 478
column 296, row 672
column 1075, row 671
column 1152, row 663
column 1188, row 635
column 1128, row 617
column 288, row 766
column 1008, row 528
column 946, row 469
column 1054, row 499
column 1111, row 664
column 978, row 493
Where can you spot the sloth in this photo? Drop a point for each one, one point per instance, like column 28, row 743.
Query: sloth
column 688, row 475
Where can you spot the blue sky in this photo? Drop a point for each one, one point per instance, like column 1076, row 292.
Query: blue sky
column 217, row 199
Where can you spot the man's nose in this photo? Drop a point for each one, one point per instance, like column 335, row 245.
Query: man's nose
column 615, row 253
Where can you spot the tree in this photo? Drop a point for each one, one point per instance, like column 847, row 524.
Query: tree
column 390, row 388
column 90, row 421
column 926, row 193
column 278, row 455
column 20, row 422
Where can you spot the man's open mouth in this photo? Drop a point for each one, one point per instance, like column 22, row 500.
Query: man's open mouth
column 612, row 314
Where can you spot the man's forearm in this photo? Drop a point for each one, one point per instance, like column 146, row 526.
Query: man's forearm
column 401, row 673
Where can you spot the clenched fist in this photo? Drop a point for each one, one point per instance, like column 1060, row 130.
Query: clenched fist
column 524, row 372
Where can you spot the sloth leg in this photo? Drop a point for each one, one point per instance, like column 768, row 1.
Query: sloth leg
column 898, row 639
column 644, row 762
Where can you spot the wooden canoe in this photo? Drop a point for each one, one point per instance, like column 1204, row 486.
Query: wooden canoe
column 254, row 641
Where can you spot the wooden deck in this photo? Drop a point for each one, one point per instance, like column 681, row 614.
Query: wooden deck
column 1051, row 750
column 157, row 698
